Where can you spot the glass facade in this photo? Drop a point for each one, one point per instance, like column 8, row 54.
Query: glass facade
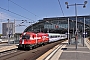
column 60, row 24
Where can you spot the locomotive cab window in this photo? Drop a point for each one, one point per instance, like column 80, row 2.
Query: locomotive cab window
column 25, row 37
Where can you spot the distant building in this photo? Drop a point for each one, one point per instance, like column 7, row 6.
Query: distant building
column 6, row 27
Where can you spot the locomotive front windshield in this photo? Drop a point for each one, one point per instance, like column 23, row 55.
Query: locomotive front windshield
column 25, row 37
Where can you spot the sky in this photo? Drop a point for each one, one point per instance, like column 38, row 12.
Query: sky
column 34, row 10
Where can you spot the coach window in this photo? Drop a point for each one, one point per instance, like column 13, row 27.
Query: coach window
column 61, row 36
column 51, row 37
column 55, row 36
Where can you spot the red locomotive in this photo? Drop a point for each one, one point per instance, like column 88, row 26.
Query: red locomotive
column 30, row 39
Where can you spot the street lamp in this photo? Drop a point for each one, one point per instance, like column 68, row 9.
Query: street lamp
column 85, row 2
column 68, row 33
column 8, row 32
column 84, row 32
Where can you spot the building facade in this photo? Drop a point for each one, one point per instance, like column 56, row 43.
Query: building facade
column 8, row 28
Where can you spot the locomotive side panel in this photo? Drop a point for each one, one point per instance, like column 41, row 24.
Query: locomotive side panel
column 42, row 38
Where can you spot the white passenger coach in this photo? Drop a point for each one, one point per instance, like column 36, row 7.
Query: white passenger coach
column 55, row 37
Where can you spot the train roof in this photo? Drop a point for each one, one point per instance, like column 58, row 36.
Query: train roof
column 28, row 33
column 53, row 34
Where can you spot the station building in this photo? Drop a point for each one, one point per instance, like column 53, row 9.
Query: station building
column 60, row 25
column 8, row 28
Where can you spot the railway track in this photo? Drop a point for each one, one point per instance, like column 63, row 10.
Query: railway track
column 7, row 52
column 29, row 54
column 11, row 53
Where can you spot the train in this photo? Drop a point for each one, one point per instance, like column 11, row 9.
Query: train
column 31, row 40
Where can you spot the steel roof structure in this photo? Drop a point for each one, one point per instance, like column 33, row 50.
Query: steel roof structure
column 60, row 24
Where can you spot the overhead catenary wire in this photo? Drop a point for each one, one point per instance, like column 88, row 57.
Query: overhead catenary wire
column 15, row 13
column 61, row 7
column 8, row 5
column 23, row 8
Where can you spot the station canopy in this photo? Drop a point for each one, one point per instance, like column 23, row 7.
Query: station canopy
column 60, row 24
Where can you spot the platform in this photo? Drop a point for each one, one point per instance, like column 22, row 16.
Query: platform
column 5, row 47
column 71, row 53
